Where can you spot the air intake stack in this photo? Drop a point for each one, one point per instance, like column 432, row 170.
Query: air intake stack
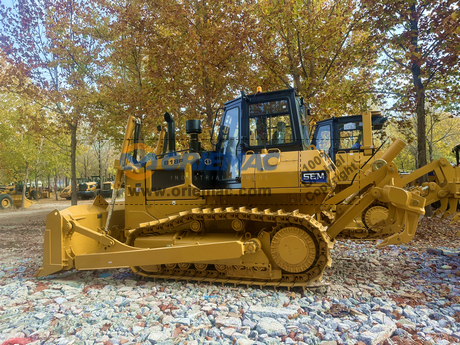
column 171, row 133
column 193, row 127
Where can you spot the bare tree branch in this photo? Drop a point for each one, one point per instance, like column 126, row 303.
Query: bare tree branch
column 394, row 59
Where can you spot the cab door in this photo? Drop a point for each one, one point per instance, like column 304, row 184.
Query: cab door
column 323, row 139
column 228, row 149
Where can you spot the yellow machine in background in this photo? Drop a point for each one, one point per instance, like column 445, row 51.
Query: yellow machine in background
column 10, row 189
column 66, row 192
column 264, row 207
column 107, row 190
column 34, row 193
column 349, row 142
column 9, row 198
column 88, row 190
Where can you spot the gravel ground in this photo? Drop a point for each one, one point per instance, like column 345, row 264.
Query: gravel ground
column 395, row 295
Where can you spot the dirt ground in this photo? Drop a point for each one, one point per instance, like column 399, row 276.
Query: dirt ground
column 35, row 213
column 22, row 230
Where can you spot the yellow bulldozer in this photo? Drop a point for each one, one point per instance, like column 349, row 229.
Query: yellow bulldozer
column 88, row 190
column 263, row 207
column 107, row 190
column 66, row 192
column 9, row 197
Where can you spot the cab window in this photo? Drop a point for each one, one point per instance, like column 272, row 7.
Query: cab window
column 270, row 123
column 229, row 137
column 350, row 135
column 229, row 132
column 323, row 141
column 303, row 119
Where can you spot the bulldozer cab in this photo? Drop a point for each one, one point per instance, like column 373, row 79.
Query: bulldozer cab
column 348, row 134
column 252, row 123
column 263, row 121
column 273, row 120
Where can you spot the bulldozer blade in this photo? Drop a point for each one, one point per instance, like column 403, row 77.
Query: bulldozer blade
column 61, row 240
column 74, row 238
column 53, row 258
column 17, row 200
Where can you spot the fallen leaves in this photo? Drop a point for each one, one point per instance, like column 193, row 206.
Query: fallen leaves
column 436, row 232
column 106, row 327
column 94, row 286
column 41, row 286
column 338, row 310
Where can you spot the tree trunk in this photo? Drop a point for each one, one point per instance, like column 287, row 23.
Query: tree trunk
column 430, row 150
column 100, row 166
column 419, row 99
column 421, row 125
column 73, row 165
column 55, row 185
column 419, row 90
column 209, row 113
column 26, row 177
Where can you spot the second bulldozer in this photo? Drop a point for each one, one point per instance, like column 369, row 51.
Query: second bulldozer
column 10, row 196
column 263, row 207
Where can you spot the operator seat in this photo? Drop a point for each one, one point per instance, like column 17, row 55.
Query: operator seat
column 279, row 134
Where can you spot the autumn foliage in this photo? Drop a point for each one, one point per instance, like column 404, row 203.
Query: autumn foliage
column 91, row 64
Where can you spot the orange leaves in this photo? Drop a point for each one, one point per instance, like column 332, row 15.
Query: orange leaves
column 316, row 47
column 106, row 327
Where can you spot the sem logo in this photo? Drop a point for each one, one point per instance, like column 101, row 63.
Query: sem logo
column 319, row 176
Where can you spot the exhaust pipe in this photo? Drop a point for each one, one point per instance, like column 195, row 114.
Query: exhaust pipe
column 171, row 130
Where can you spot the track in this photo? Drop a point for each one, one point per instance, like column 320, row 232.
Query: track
column 284, row 231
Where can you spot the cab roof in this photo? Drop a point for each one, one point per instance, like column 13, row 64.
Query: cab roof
column 262, row 96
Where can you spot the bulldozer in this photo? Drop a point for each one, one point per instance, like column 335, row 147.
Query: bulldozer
column 11, row 195
column 349, row 142
column 88, row 190
column 66, row 192
column 92, row 187
column 9, row 198
column 263, row 207
column 107, row 190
